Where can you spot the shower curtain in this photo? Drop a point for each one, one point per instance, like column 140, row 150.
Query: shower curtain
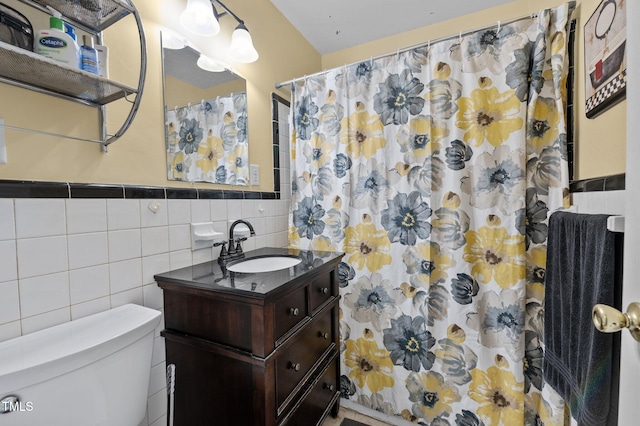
column 434, row 170
column 207, row 141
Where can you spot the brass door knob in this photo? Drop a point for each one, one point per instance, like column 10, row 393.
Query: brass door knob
column 610, row 320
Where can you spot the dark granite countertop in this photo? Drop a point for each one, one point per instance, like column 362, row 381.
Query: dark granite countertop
column 209, row 275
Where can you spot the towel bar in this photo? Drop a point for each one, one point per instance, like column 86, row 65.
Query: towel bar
column 615, row 223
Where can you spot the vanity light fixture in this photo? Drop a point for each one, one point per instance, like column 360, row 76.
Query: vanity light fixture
column 241, row 48
column 201, row 17
column 209, row 64
column 173, row 40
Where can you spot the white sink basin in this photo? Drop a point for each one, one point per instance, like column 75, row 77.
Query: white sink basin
column 263, row 264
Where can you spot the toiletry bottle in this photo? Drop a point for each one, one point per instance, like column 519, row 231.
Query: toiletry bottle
column 69, row 30
column 89, row 55
column 54, row 43
column 103, row 60
column 72, row 33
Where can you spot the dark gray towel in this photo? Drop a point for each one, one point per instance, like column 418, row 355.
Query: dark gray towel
column 580, row 362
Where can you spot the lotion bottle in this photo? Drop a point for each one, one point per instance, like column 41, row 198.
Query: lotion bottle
column 72, row 33
column 89, row 55
column 103, row 60
column 55, row 43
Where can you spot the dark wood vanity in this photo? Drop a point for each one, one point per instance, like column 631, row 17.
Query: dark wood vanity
column 254, row 349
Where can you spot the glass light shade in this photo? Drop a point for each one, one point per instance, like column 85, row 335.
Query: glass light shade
column 199, row 18
column 241, row 48
column 208, row 64
column 173, row 40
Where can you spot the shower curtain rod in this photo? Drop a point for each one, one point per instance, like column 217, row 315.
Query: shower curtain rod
column 406, row 49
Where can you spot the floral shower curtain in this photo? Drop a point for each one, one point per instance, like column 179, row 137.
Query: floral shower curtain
column 434, row 170
column 207, row 141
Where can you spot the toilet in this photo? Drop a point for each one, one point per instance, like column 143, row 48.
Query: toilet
column 93, row 371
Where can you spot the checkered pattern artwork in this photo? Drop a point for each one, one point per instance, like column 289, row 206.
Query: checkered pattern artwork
column 609, row 92
column 605, row 40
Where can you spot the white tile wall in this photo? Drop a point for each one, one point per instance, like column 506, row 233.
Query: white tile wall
column 7, row 224
column 87, row 249
column 61, row 260
column 285, row 166
column 8, row 261
column 41, row 256
column 45, row 293
column 123, row 214
column 124, row 244
column 89, row 283
column 9, row 302
column 40, row 218
column 599, row 202
column 155, row 240
column 86, row 215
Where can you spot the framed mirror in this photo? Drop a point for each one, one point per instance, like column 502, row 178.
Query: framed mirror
column 205, row 109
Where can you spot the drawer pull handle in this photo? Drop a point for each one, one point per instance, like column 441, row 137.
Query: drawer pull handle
column 324, row 335
column 329, row 387
column 295, row 366
column 324, row 290
column 294, row 311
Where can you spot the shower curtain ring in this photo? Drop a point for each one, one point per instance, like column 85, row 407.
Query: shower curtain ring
column 498, row 26
column 460, row 37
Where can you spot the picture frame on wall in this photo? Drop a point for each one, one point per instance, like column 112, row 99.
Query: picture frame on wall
column 605, row 37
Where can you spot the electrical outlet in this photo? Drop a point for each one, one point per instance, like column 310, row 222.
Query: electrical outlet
column 3, row 145
column 255, row 174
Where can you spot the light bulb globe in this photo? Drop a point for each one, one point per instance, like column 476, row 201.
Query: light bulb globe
column 241, row 48
column 198, row 18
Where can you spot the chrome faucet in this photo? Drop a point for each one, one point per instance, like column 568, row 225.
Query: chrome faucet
column 234, row 251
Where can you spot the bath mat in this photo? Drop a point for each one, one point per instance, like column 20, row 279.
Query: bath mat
column 350, row 422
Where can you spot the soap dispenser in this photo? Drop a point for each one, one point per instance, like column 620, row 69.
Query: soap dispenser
column 55, row 43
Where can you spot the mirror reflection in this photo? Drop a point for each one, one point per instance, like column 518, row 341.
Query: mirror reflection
column 205, row 119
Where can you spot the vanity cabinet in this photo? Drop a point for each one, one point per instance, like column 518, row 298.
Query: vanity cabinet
column 254, row 349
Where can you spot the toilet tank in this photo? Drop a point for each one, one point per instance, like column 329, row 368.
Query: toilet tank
column 93, row 371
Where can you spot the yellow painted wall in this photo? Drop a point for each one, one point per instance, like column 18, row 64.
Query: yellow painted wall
column 139, row 156
column 600, row 142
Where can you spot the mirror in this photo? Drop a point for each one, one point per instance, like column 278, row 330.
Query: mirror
column 205, row 119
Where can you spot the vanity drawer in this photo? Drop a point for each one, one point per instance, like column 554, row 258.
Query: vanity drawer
column 300, row 356
column 289, row 311
column 317, row 401
column 320, row 290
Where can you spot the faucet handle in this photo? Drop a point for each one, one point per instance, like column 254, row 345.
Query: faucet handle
column 223, row 251
column 238, row 246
